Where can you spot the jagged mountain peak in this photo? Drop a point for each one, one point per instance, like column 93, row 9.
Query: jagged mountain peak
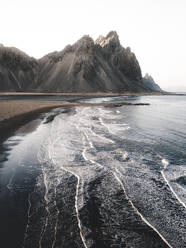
column 113, row 36
column 112, row 39
column 149, row 82
column 85, row 39
column 85, row 43
column 83, row 46
column 147, row 76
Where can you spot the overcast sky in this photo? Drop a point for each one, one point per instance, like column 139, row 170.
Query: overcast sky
column 154, row 29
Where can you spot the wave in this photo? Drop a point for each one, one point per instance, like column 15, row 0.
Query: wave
column 70, row 139
column 112, row 174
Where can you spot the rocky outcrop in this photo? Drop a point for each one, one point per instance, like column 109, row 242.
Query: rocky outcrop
column 86, row 66
column 149, row 82
column 119, row 57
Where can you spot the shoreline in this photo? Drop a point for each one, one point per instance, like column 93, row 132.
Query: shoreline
column 82, row 94
column 15, row 113
column 12, row 117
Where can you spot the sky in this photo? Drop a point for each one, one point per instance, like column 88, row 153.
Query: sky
column 154, row 29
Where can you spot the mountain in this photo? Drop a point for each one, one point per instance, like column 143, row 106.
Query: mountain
column 150, row 83
column 86, row 66
column 18, row 71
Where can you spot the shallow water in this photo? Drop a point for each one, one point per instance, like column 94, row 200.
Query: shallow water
column 98, row 177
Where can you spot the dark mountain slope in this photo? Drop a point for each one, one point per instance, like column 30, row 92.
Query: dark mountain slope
column 17, row 70
column 149, row 82
column 86, row 66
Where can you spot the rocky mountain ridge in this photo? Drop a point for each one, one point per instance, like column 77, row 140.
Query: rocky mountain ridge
column 149, row 82
column 86, row 66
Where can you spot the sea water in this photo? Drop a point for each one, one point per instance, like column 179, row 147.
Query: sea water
column 101, row 177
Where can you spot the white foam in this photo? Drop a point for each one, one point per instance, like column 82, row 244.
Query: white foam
column 46, row 208
column 151, row 226
column 56, row 224
column 135, row 209
column 119, row 181
column 171, row 189
column 76, row 203
column 73, row 135
column 68, row 155
column 165, row 165
column 102, row 137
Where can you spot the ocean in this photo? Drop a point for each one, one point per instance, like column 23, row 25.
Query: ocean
column 98, row 177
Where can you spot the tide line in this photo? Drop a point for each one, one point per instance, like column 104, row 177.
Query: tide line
column 165, row 164
column 76, row 200
column 47, row 209
column 143, row 219
column 56, row 225
column 103, row 124
column 28, row 221
column 171, row 189
column 101, row 137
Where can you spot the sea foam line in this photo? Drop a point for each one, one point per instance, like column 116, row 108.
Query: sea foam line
column 171, row 189
column 101, row 137
column 108, row 128
column 135, row 209
column 103, row 124
column 28, row 220
column 77, row 188
column 165, row 164
column 142, row 217
column 47, row 209
column 118, row 180
column 56, row 225
column 76, row 200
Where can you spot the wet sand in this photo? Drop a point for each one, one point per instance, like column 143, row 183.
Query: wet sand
column 16, row 113
column 10, row 109
column 82, row 94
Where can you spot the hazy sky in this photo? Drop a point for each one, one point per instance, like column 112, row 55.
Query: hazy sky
column 154, row 29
